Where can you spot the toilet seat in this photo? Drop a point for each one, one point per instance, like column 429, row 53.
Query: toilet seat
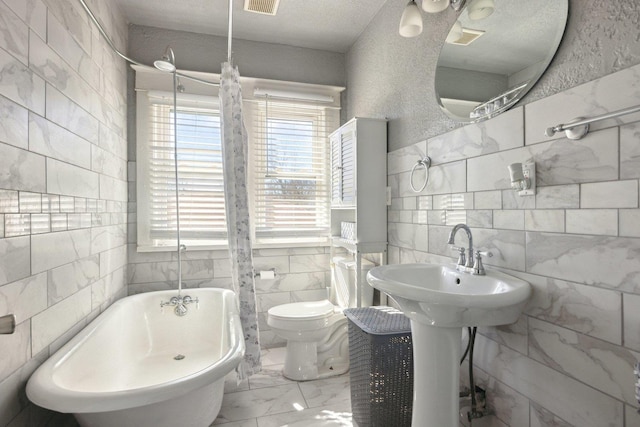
column 303, row 317
column 303, row 310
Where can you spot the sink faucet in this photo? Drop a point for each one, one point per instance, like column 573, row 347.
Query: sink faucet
column 462, row 265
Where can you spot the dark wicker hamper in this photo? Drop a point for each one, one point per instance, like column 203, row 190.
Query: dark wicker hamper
column 381, row 373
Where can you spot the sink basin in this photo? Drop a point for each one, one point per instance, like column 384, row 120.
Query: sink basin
column 440, row 300
column 439, row 295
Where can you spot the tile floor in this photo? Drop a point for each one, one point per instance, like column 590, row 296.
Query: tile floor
column 270, row 400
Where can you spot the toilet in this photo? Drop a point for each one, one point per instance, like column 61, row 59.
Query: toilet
column 316, row 331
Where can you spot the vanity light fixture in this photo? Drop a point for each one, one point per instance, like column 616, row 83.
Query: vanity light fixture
column 411, row 20
column 523, row 178
column 480, row 9
column 434, row 6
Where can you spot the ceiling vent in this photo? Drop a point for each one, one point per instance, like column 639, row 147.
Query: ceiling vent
column 266, row 7
column 468, row 37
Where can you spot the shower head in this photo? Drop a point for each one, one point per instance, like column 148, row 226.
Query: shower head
column 167, row 62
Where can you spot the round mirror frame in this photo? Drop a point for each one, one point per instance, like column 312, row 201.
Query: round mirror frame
column 505, row 99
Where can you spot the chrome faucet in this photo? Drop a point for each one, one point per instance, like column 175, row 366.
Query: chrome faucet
column 468, row 264
column 462, row 263
column 180, row 303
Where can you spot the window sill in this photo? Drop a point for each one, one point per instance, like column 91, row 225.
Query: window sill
column 220, row 247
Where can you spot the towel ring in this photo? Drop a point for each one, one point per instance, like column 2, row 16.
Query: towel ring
column 426, row 162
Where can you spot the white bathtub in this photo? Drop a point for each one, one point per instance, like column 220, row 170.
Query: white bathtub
column 121, row 369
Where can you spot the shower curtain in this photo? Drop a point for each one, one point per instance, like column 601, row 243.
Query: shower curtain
column 234, row 152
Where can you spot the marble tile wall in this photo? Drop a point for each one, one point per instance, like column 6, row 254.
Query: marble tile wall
column 301, row 274
column 63, row 190
column 569, row 360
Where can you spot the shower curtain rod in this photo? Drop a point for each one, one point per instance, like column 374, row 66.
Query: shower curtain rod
column 230, row 32
column 132, row 61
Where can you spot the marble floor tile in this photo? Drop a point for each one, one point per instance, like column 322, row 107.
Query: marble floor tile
column 271, row 375
column 326, row 392
column 231, row 383
column 268, row 399
column 253, row 422
column 273, row 356
column 338, row 416
column 243, row 405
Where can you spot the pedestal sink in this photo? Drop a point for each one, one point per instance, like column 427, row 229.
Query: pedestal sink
column 440, row 301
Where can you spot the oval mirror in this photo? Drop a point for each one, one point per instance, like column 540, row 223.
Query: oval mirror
column 494, row 54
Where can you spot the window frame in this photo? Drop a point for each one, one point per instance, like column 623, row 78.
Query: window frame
column 145, row 242
column 152, row 81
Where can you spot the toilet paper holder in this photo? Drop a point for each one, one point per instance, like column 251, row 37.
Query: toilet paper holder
column 266, row 274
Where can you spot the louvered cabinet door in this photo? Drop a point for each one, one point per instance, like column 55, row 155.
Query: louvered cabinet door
column 343, row 171
column 348, row 176
column 336, row 169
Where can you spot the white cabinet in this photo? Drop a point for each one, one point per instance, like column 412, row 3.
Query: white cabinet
column 358, row 189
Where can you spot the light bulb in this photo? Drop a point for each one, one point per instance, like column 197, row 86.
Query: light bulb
column 411, row 20
column 434, row 6
column 480, row 9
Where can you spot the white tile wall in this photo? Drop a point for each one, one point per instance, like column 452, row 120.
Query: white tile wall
column 62, row 131
column 569, row 360
column 302, row 274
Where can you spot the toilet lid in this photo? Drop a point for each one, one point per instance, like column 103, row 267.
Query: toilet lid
column 303, row 310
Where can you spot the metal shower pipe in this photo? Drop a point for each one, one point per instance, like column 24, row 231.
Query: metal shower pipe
column 125, row 57
column 230, row 32
column 168, row 64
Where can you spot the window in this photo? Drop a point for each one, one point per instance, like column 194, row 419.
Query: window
column 289, row 165
column 291, row 170
column 202, row 215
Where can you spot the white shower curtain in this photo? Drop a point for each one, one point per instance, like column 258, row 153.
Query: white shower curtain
column 234, row 151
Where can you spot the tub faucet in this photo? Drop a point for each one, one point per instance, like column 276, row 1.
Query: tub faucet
column 180, row 303
column 463, row 264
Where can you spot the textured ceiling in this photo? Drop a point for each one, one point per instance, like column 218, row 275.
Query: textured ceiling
column 332, row 25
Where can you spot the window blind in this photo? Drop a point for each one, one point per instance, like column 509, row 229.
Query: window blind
column 291, row 169
column 200, row 178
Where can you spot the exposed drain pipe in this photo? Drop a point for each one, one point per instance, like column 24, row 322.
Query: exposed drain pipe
column 474, row 413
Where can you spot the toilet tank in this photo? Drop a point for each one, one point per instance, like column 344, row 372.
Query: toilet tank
column 343, row 283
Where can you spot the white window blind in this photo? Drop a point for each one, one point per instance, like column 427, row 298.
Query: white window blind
column 291, row 169
column 201, row 189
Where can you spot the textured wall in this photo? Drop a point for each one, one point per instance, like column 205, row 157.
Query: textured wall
column 201, row 52
column 389, row 76
column 63, row 189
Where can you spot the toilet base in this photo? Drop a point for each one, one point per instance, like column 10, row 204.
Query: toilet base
column 305, row 361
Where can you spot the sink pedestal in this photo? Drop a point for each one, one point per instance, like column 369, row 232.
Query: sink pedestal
column 436, row 375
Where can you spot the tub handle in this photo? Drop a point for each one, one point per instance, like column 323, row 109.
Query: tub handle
column 7, row 324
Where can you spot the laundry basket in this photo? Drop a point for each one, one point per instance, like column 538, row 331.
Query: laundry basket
column 381, row 374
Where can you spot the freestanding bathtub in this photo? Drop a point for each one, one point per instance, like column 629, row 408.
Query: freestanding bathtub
column 140, row 365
